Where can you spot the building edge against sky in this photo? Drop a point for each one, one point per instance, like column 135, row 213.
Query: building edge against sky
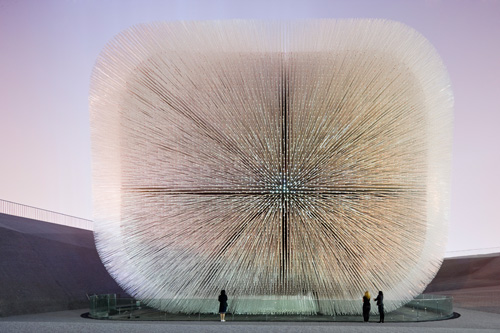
column 236, row 152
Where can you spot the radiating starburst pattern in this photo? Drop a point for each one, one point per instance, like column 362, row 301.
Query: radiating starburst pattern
column 299, row 162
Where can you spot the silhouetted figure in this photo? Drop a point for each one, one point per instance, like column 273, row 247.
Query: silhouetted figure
column 380, row 304
column 222, row 305
column 366, row 306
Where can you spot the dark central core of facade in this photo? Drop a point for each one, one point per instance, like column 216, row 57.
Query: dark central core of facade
column 302, row 181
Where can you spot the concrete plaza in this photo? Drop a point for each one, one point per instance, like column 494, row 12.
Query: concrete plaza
column 71, row 321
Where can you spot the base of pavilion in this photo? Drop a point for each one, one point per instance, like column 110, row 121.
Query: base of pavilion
column 422, row 308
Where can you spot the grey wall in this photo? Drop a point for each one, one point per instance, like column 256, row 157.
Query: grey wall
column 48, row 267
column 467, row 273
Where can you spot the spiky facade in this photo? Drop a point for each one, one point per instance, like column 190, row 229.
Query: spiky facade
column 289, row 163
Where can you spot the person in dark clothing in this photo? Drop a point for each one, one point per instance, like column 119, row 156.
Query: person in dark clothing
column 380, row 304
column 366, row 306
column 222, row 305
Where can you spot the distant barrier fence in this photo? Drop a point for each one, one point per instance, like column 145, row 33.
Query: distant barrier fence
column 471, row 252
column 16, row 209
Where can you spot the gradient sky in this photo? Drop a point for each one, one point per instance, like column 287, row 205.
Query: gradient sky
column 48, row 50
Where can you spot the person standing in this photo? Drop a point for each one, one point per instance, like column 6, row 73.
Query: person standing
column 380, row 304
column 222, row 305
column 366, row 306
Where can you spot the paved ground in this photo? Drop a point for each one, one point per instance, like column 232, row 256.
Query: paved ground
column 71, row 321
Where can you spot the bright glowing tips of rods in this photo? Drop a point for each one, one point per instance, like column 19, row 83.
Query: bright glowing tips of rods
column 294, row 161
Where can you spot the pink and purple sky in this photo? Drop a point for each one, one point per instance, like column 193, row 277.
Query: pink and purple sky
column 48, row 49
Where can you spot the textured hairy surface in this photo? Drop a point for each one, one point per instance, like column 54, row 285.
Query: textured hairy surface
column 288, row 162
